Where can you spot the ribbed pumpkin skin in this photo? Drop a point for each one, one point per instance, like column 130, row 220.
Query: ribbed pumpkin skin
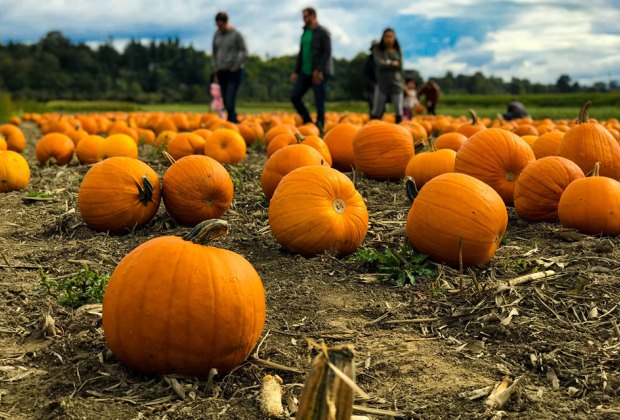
column 15, row 139
column 57, row 146
column 425, row 166
column 3, row 145
column 588, row 143
column 496, row 157
column 14, row 171
column 109, row 198
column 304, row 215
column 540, row 186
column 547, row 144
column 185, row 144
column 286, row 160
column 382, row 150
column 451, row 206
column 172, row 306
column 592, row 205
column 197, row 188
column 340, row 142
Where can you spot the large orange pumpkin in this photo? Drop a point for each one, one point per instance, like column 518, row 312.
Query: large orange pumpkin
column 88, row 149
column 589, row 142
column 286, row 160
column 547, row 144
column 119, row 194
column 540, row 186
column 197, row 188
column 457, row 218
column 252, row 132
column 118, row 145
column 425, row 166
column 452, row 140
column 14, row 171
column 14, row 137
column 340, row 142
column 592, row 205
column 382, row 150
column 318, row 144
column 185, row 144
column 225, row 146
column 56, row 146
column 496, row 157
column 316, row 209
column 175, row 306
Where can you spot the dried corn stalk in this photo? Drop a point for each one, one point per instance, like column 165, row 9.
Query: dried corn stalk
column 328, row 392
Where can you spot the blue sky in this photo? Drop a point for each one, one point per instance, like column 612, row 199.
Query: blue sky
column 534, row 39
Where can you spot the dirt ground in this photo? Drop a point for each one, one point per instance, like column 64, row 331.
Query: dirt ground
column 421, row 351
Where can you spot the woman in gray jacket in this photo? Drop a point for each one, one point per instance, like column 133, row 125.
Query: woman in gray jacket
column 388, row 65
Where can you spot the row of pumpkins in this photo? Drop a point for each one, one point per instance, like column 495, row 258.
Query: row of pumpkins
column 458, row 216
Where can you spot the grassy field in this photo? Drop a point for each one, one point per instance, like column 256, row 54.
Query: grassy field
column 556, row 106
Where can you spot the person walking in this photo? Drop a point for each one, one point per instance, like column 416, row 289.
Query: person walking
column 313, row 67
column 370, row 76
column 430, row 91
column 389, row 65
column 229, row 54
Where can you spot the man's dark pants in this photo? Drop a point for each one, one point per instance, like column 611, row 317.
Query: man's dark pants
column 229, row 82
column 301, row 86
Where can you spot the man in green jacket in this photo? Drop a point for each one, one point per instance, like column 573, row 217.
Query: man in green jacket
column 313, row 67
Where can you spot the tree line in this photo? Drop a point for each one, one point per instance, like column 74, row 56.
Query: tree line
column 166, row 71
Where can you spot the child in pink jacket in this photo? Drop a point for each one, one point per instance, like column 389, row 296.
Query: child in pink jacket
column 217, row 104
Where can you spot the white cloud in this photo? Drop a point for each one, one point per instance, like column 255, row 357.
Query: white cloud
column 534, row 39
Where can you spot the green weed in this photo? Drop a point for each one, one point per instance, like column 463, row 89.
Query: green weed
column 76, row 289
column 403, row 265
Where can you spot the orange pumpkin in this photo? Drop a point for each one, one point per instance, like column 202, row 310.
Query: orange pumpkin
column 13, row 136
column 56, row 146
column 540, row 186
column 592, row 205
column 119, row 194
column 456, row 218
column 3, row 145
column 425, row 166
column 176, row 306
column 14, row 171
column 452, row 140
column 547, row 144
column 279, row 129
column 382, row 150
column 339, row 140
column 316, row 209
column 286, row 160
column 88, row 149
column 163, row 138
column 471, row 128
column 496, row 157
column 225, row 146
column 197, row 188
column 185, row 144
column 252, row 132
column 417, row 131
column 119, row 145
column 280, row 141
column 318, row 144
column 589, row 142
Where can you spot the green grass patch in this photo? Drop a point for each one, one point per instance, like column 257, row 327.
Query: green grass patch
column 76, row 289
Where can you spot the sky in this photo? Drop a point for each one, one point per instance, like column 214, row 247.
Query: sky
column 537, row 40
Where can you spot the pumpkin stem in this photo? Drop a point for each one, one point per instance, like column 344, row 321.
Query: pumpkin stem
column 169, row 157
column 146, row 193
column 299, row 137
column 207, row 231
column 474, row 117
column 597, row 169
column 583, row 114
column 411, row 189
